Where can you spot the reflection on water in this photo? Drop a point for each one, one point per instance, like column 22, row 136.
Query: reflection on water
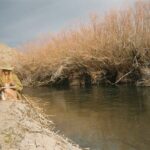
column 101, row 118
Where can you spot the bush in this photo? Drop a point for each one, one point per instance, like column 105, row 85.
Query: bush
column 118, row 41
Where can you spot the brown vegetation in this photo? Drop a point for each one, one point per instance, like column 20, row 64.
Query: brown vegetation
column 7, row 54
column 110, row 49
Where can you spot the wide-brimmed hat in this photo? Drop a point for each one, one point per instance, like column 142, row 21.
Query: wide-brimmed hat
column 7, row 67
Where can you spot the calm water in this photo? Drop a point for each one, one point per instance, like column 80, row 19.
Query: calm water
column 100, row 118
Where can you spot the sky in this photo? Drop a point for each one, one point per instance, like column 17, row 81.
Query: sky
column 24, row 20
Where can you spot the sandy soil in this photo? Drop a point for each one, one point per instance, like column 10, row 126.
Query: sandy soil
column 22, row 129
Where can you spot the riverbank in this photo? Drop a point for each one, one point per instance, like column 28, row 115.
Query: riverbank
column 21, row 128
column 109, row 49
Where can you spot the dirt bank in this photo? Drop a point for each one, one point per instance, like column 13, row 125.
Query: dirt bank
column 22, row 129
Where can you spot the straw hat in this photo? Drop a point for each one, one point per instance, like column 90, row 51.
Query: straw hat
column 7, row 67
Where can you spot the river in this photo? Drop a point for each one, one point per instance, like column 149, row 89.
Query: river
column 99, row 118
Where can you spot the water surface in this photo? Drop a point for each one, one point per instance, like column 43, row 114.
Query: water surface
column 100, row 118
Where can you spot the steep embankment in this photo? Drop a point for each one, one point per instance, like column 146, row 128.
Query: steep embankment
column 21, row 128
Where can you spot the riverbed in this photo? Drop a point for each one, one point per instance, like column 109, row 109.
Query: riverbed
column 99, row 118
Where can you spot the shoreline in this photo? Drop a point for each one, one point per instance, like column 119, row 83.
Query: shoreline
column 22, row 128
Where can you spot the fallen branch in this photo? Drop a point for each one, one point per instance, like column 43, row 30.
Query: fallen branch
column 124, row 76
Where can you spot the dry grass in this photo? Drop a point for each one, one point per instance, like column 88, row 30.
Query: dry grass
column 107, row 43
column 7, row 54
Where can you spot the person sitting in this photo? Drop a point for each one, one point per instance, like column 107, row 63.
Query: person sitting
column 10, row 85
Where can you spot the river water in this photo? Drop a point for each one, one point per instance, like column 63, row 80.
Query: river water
column 99, row 118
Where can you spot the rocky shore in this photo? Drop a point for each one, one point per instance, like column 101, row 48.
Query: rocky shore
column 21, row 128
